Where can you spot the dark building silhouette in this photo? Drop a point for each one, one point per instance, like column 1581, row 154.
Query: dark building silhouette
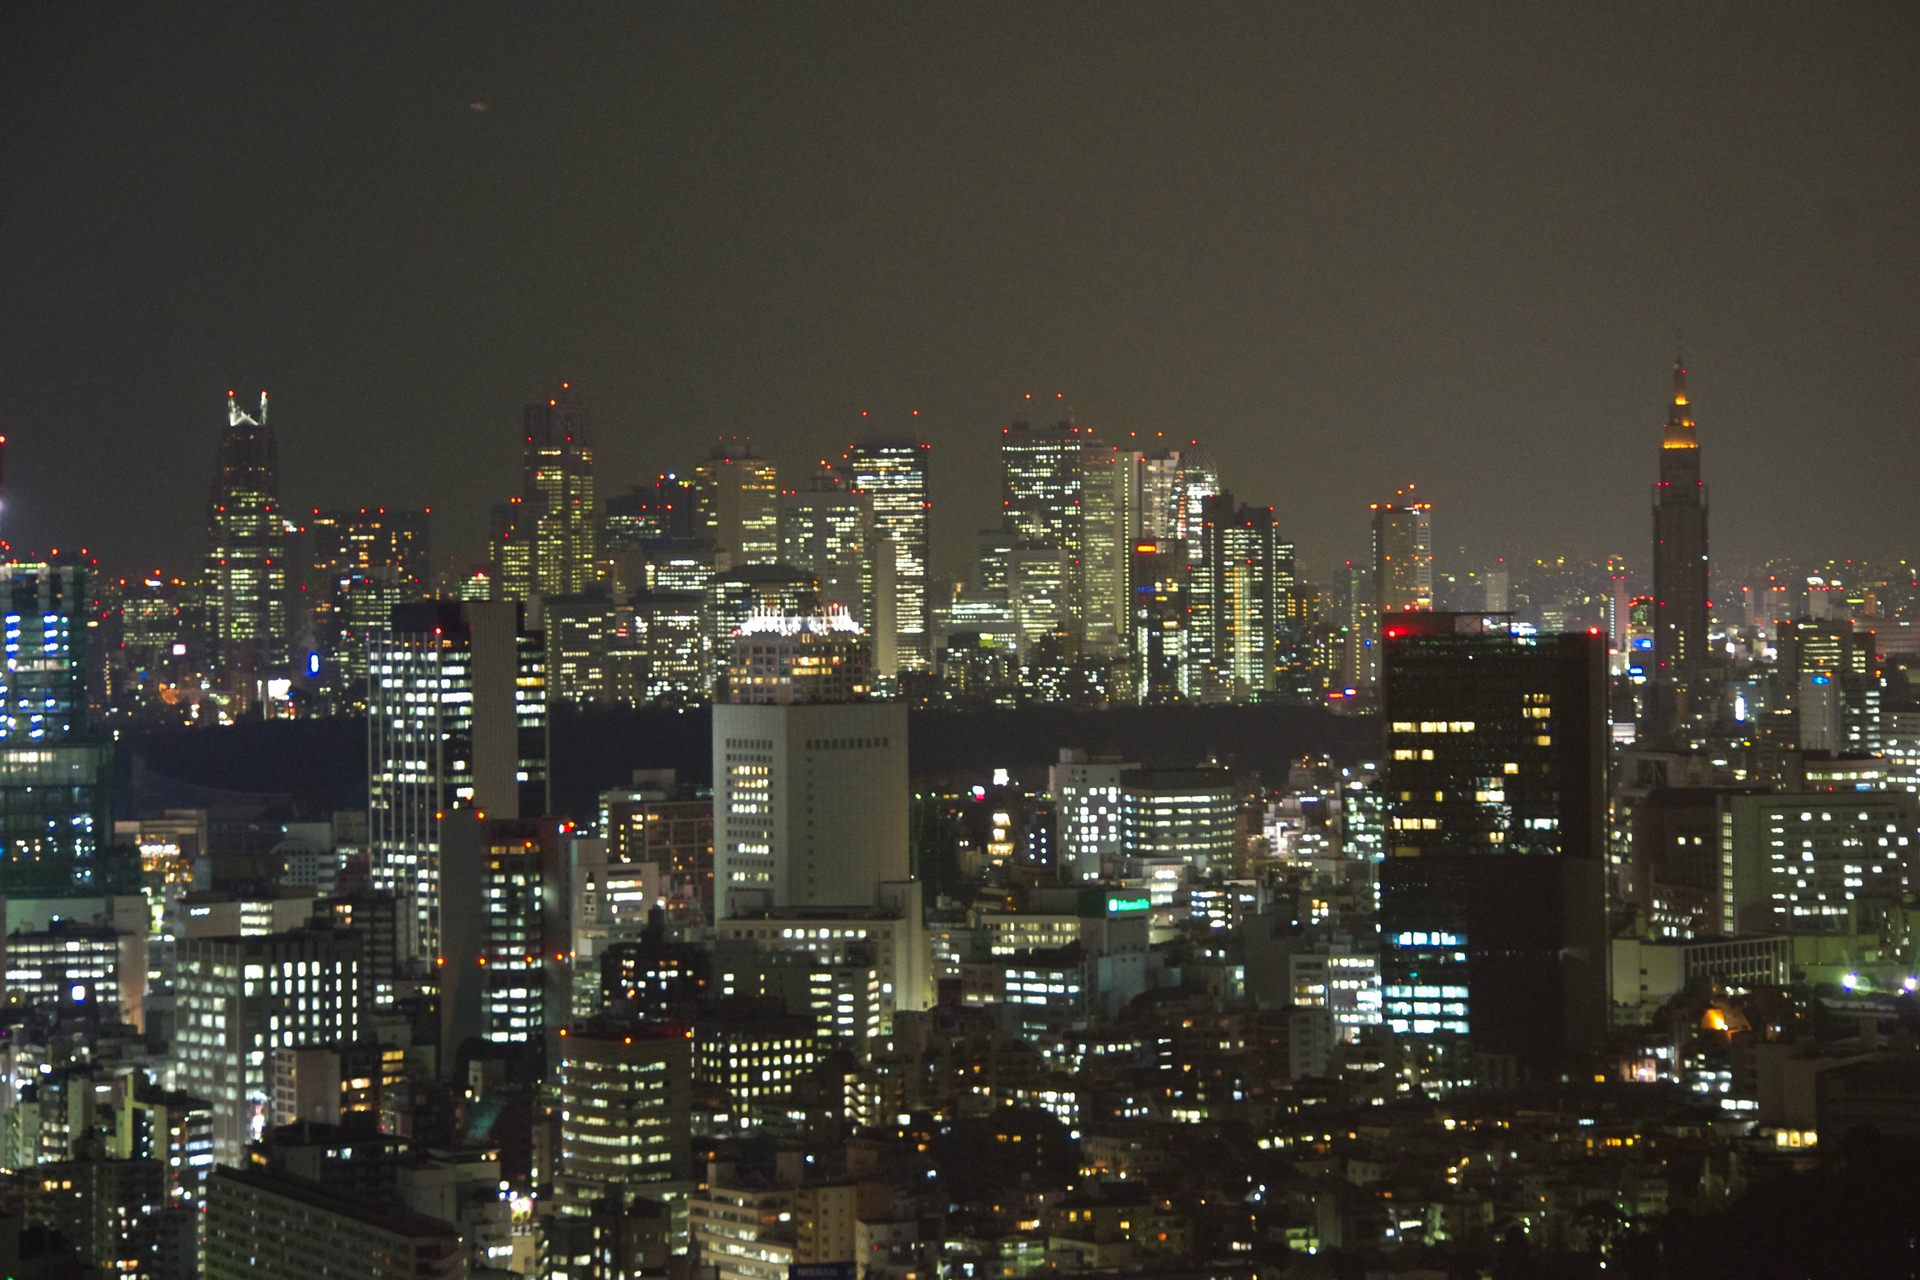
column 1492, row 900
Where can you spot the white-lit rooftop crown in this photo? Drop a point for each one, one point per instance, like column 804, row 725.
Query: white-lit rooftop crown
column 835, row 620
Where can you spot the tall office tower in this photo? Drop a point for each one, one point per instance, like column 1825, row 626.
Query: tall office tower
column 667, row 508
column 1160, row 626
column 56, row 776
column 626, row 1111
column 1246, row 600
column 513, row 539
column 992, row 552
column 349, row 540
column 737, row 493
column 810, row 798
column 1199, row 481
column 1679, row 566
column 1040, row 589
column 1360, row 629
column 1402, row 555
column 558, row 479
column 828, row 531
column 592, row 652
column 1492, row 896
column 359, row 564
column 1109, row 526
column 240, row 998
column 456, row 719
column 1162, row 497
column 503, row 927
column 893, row 474
column 246, row 549
column 671, row 628
column 1040, row 492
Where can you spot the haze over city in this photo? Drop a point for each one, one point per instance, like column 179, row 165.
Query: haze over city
column 1344, row 249
column 996, row 642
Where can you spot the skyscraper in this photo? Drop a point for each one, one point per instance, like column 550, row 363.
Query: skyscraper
column 737, row 496
column 1402, row 555
column 810, row 798
column 1246, row 598
column 246, row 550
column 1109, row 526
column 1161, row 625
column 55, row 776
column 1492, row 898
column 1679, row 564
column 893, row 473
column 558, row 471
column 456, row 719
column 828, row 530
column 1040, row 493
column 360, row 563
column 504, row 924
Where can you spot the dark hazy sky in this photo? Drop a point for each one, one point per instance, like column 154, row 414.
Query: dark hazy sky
column 1347, row 246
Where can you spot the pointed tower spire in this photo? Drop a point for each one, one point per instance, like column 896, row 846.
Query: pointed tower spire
column 1680, row 431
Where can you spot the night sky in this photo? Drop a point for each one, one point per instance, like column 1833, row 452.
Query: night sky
column 1347, row 246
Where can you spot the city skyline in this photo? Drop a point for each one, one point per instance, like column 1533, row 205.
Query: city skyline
column 1349, row 253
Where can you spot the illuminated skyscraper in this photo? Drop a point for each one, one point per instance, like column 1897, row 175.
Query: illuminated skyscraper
column 1040, row 494
column 360, row 563
column 1109, row 526
column 828, row 530
column 55, row 776
column 558, row 472
column 737, row 495
column 1679, row 563
column 246, row 549
column 893, row 473
column 1402, row 555
column 1246, row 595
column 1161, row 627
column 456, row 719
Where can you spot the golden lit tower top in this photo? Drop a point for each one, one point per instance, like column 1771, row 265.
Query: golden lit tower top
column 1680, row 417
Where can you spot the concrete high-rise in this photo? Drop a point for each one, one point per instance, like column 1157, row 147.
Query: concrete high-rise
column 239, row 998
column 503, row 925
column 1680, row 582
column 625, row 1106
column 737, row 495
column 1492, row 897
column 893, row 473
column 457, row 719
column 1402, row 555
column 810, row 797
column 246, row 567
